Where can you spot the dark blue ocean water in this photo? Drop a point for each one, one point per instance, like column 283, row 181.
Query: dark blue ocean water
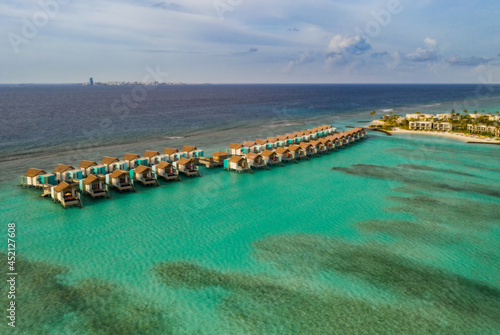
column 40, row 118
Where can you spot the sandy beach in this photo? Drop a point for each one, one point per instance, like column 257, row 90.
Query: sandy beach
column 457, row 136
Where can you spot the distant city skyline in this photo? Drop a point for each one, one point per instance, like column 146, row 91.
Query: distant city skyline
column 243, row 41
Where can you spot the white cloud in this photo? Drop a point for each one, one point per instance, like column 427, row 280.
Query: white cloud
column 348, row 45
column 425, row 55
column 430, row 43
column 303, row 58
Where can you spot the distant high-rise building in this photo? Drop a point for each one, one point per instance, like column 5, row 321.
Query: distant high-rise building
column 91, row 80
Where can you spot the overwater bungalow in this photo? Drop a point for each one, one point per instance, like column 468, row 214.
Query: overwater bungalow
column 282, row 141
column 285, row 155
column 192, row 151
column 235, row 149
column 66, row 194
column 292, row 139
column 264, row 144
column 173, row 154
column 271, row 158
column 91, row 167
column 272, row 143
column 308, row 148
column 327, row 143
column 318, row 146
column 251, row 146
column 120, row 179
column 153, row 157
column 166, row 171
column 299, row 137
column 297, row 152
column 187, row 166
column 144, row 175
column 131, row 160
column 67, row 173
column 32, row 178
column 95, row 186
column 306, row 135
column 112, row 163
column 255, row 161
column 237, row 163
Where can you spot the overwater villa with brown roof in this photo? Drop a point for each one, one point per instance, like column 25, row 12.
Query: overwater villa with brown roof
column 144, row 175
column 237, row 163
column 297, row 152
column 217, row 159
column 67, row 173
column 263, row 143
column 255, row 161
column 318, row 146
column 32, row 178
column 235, row 149
column 66, row 194
column 272, row 143
column 308, row 148
column 327, row 144
column 120, row 179
column 285, row 155
column 271, row 158
column 281, row 141
column 112, row 163
column 192, row 151
column 187, row 166
column 94, row 186
column 131, row 160
column 153, row 157
column 91, row 167
column 292, row 139
column 166, row 171
column 251, row 146
column 173, row 154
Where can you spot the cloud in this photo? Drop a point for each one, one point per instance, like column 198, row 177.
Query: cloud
column 293, row 29
column 467, row 61
column 378, row 55
column 303, row 58
column 425, row 55
column 347, row 45
column 253, row 49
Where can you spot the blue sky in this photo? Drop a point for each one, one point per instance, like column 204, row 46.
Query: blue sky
column 251, row 41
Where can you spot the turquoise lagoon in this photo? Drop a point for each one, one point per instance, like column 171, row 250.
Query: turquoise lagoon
column 392, row 235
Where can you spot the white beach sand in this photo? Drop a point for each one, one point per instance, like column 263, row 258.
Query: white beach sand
column 457, row 136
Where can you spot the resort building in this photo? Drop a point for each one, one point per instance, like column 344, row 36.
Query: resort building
column 271, row 158
column 153, row 157
column 420, row 125
column 252, row 146
column 192, row 151
column 113, row 163
column 272, row 143
column 166, row 171
column 67, row 173
column 235, row 149
column 255, row 161
column 120, row 179
column 187, row 166
column 308, row 148
column 94, row 186
column 481, row 128
column 419, row 116
column 144, row 175
column 66, row 194
column 284, row 155
column 262, row 143
column 297, row 152
column 131, row 160
column 236, row 163
column 442, row 126
column 32, row 178
column 173, row 154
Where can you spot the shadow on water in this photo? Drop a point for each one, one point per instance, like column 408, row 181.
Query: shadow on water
column 91, row 306
column 431, row 301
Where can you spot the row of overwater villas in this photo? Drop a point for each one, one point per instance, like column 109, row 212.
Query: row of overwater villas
column 66, row 183
column 262, row 153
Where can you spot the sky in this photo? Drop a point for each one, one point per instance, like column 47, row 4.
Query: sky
column 250, row 41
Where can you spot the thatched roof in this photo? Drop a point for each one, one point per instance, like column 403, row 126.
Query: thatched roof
column 188, row 148
column 235, row 146
column 118, row 173
column 141, row 169
column 235, row 159
column 219, row 154
column 271, row 139
column 34, row 172
column 163, row 165
column 170, row 151
column 304, row 145
column 253, row 156
column 150, row 153
column 294, row 147
column 90, row 179
column 63, row 186
column 282, row 150
column 248, row 144
column 86, row 164
column 267, row 153
column 62, row 167
column 130, row 157
column 183, row 161
column 260, row 141
column 109, row 160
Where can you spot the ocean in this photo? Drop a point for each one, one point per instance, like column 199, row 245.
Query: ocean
column 392, row 235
